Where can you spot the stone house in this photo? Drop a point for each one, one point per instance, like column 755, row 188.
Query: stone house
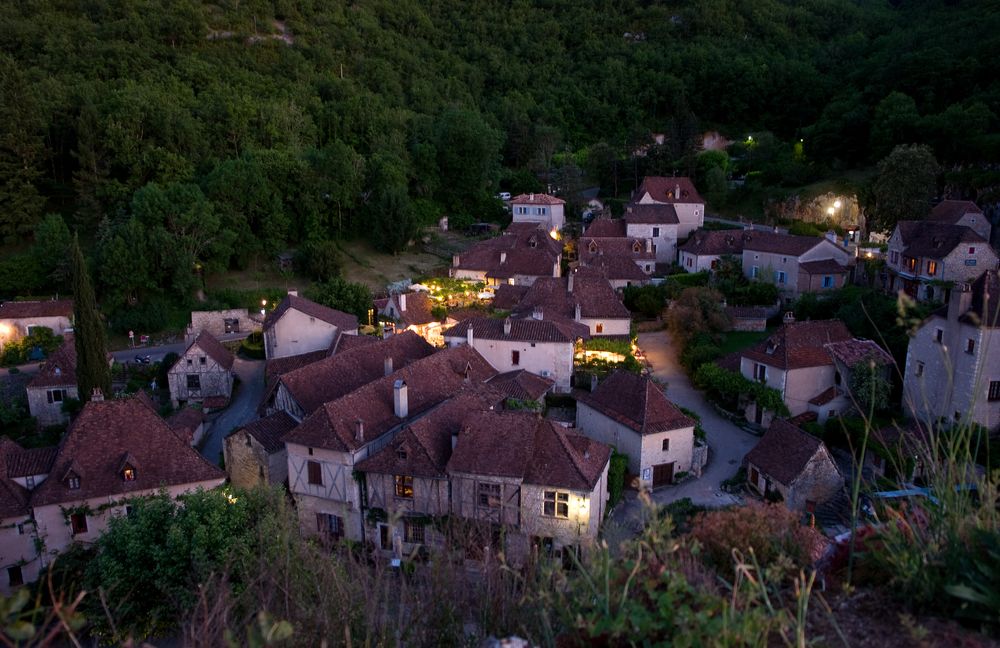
column 795, row 465
column 203, row 374
column 656, row 223
column 679, row 193
column 255, row 453
column 189, row 424
column 19, row 559
column 542, row 347
column 545, row 210
column 926, row 258
column 608, row 249
column 631, row 414
column 412, row 311
column 746, row 318
column 299, row 326
column 953, row 360
column 522, row 386
column 19, row 318
column 53, row 385
column 795, row 264
column 232, row 321
column 810, row 364
column 324, row 449
column 114, row 450
column 962, row 212
column 579, row 297
column 522, row 254
column 705, row 248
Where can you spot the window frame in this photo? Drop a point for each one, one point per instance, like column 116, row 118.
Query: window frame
column 515, row 358
column 970, row 346
column 403, row 486
column 11, row 580
column 195, row 384
column 665, row 446
column 489, row 495
column 555, row 504
column 413, row 532
column 993, row 391
column 314, row 473
column 78, row 523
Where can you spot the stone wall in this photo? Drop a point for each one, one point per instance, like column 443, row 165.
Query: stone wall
column 215, row 323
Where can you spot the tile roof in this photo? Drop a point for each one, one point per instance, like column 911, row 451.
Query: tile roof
column 653, row 214
column 934, row 240
column 952, row 211
column 824, row 266
column 606, row 228
column 525, row 251
column 33, row 461
column 799, row 344
column 824, row 396
column 521, row 385
column 637, row 402
column 13, row 497
column 984, row 310
column 337, row 375
column 783, row 452
column 429, row 381
column 528, row 448
column 187, row 417
column 507, row 297
column 418, row 308
column 596, row 297
column 665, row 189
column 776, row 243
column 613, row 268
column 27, row 309
column 102, row 436
column 852, row 351
column 714, row 242
column 423, row 447
column 343, row 321
column 536, row 199
column 591, row 248
column 270, row 430
column 60, row 368
column 521, row 330
column 347, row 342
column 276, row 367
column 213, row 349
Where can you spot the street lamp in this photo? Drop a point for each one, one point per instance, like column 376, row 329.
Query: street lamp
column 263, row 305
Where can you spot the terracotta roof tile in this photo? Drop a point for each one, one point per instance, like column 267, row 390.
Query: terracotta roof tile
column 825, row 396
column 343, row 321
column 213, row 349
column 276, row 367
column 188, row 417
column 651, row 214
column 714, row 242
column 60, row 368
column 596, row 297
column 673, row 190
column 783, row 452
column 776, row 243
column 824, row 266
column 429, row 381
column 536, row 199
column 13, row 497
column 606, row 228
column 521, row 385
column 270, row 430
column 525, row 251
column 418, row 308
column 591, row 248
column 637, row 402
column 507, row 297
column 952, row 211
column 852, row 351
column 106, row 431
column 613, row 268
column 934, row 240
column 524, row 330
column 27, row 309
column 799, row 344
column 34, row 461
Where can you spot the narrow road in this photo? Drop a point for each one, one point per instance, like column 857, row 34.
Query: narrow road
column 241, row 410
column 728, row 443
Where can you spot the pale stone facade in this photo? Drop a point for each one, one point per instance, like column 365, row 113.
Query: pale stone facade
column 296, row 333
column 785, row 270
column 552, row 360
column 928, row 274
column 19, row 560
column 196, row 376
column 221, row 322
column 663, row 236
column 45, row 403
column 818, row 481
column 248, row 463
column 539, row 208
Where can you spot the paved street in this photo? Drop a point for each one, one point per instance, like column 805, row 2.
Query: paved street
column 728, row 442
column 243, row 408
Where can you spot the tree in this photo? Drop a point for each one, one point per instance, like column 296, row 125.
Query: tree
column 92, row 370
column 697, row 311
column 468, row 155
column 21, row 151
column 52, row 241
column 869, row 386
column 343, row 295
column 905, row 184
column 896, row 121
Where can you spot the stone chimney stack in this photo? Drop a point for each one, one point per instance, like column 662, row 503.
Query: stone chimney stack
column 387, row 363
column 503, row 257
column 569, row 282
column 400, row 403
column 359, row 431
column 293, row 293
column 677, row 191
column 531, row 197
column 960, row 301
column 537, row 313
column 506, row 326
column 468, row 335
column 402, row 302
column 97, row 396
column 577, row 312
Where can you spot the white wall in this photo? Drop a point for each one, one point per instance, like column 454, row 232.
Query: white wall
column 17, row 547
column 296, row 333
column 550, row 359
column 665, row 243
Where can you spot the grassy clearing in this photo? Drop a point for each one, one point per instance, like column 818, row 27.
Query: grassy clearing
column 739, row 340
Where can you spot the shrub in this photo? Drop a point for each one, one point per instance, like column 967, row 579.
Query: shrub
column 253, row 346
column 727, row 387
column 696, row 355
column 771, row 530
column 20, row 351
column 616, row 477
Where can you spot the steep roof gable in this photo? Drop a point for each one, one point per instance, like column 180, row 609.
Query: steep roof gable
column 343, row 321
column 952, row 211
column 933, row 239
column 714, row 242
column 13, row 498
column 672, row 190
column 28, row 309
column 799, row 344
column 784, row 451
column 637, row 402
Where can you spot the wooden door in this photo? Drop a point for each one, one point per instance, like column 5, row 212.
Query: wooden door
column 663, row 474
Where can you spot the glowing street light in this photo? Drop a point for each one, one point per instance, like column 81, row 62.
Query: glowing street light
column 837, row 204
column 830, row 210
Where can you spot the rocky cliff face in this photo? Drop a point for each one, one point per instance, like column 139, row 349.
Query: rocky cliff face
column 817, row 210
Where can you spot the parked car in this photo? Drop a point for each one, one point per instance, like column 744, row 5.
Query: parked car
column 143, row 359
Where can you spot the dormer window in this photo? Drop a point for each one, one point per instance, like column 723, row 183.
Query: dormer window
column 593, row 247
column 73, row 482
column 770, row 348
column 401, row 454
column 636, row 247
column 128, row 473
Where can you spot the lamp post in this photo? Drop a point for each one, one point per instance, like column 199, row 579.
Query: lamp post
column 263, row 305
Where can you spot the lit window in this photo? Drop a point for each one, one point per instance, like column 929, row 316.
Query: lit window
column 556, row 504
column 413, row 532
column 489, row 495
column 931, row 267
column 404, row 486
column 599, row 328
column 128, row 473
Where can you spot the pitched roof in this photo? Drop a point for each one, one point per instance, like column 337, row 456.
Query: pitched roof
column 776, row 243
column 47, row 308
column 536, row 199
column 653, row 214
column 60, row 368
column 714, row 242
column 825, row 396
column 276, row 367
column 799, row 344
column 507, row 296
column 952, row 211
column 106, row 431
column 529, row 448
column 852, row 351
column 520, row 250
column 783, row 452
column 213, row 349
column 933, row 239
column 418, row 307
column 746, row 312
column 591, row 248
column 343, row 321
column 13, row 497
column 637, row 402
column 423, row 447
column 985, row 307
column 33, row 461
column 596, row 297
column 824, row 266
column 606, row 228
column 270, row 430
column 187, row 417
column 521, row 385
column 429, row 381
column 337, row 375
column 672, row 190
column 522, row 330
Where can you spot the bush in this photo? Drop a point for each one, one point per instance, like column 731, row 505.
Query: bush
column 726, row 387
column 616, row 477
column 698, row 354
column 20, row 351
column 253, row 346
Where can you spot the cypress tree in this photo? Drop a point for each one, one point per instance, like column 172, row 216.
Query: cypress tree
column 91, row 342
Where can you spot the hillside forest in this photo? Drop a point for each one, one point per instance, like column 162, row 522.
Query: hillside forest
column 183, row 139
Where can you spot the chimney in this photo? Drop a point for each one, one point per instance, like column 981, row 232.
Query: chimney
column 531, row 197
column 536, row 313
column 293, row 292
column 400, row 403
column 402, row 302
column 960, row 301
column 506, row 326
column 454, row 440
column 503, row 257
column 569, row 282
column 577, row 312
column 593, row 382
column 387, row 363
column 359, row 430
column 97, row 396
column 649, row 246
column 455, row 258
column 468, row 335
column 788, row 318
column 677, row 191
